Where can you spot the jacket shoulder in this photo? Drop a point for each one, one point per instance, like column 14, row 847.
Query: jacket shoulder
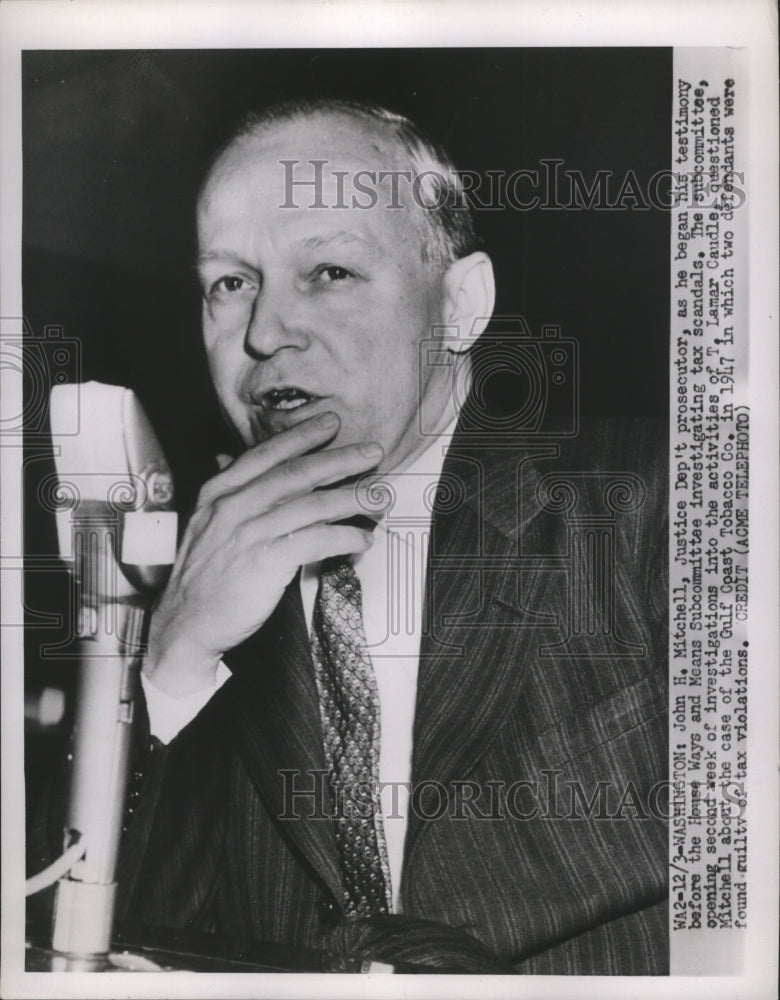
column 608, row 458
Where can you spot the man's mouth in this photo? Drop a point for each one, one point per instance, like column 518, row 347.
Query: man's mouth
column 286, row 398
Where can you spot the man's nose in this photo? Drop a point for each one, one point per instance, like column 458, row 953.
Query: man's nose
column 278, row 320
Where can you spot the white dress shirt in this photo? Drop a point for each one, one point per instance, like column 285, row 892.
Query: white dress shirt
column 392, row 578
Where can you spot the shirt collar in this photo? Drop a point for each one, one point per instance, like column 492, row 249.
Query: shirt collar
column 412, row 489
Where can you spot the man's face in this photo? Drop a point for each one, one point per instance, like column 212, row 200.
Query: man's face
column 312, row 309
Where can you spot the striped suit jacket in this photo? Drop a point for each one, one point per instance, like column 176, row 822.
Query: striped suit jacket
column 538, row 838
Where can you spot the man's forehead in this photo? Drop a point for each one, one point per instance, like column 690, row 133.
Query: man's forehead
column 282, row 152
column 312, row 176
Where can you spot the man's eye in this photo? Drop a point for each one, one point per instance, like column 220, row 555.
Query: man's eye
column 230, row 283
column 328, row 273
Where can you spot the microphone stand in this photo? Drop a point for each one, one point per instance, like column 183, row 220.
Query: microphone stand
column 109, row 646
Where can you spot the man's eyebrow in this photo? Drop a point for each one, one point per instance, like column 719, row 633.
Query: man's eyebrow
column 340, row 236
column 225, row 255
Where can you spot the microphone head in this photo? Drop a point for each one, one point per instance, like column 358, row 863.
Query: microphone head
column 113, row 472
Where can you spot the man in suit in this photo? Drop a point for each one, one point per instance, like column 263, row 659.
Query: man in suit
column 515, row 739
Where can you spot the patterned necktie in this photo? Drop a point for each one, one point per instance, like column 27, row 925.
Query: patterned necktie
column 349, row 708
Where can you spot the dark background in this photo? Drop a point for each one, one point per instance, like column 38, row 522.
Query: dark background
column 114, row 145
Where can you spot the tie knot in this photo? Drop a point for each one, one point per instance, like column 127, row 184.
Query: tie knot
column 340, row 593
column 337, row 566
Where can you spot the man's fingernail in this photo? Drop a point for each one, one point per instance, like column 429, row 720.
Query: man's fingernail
column 371, row 450
column 328, row 420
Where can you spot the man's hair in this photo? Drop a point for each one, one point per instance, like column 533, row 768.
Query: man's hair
column 448, row 230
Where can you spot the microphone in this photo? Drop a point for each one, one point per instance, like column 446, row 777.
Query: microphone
column 118, row 535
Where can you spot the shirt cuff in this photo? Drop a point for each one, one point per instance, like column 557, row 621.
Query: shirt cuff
column 169, row 715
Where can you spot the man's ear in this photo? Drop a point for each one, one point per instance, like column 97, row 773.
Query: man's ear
column 469, row 297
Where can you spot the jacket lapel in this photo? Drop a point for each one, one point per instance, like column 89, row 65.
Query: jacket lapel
column 279, row 730
column 478, row 636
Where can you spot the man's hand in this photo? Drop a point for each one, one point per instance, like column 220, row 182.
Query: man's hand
column 255, row 523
